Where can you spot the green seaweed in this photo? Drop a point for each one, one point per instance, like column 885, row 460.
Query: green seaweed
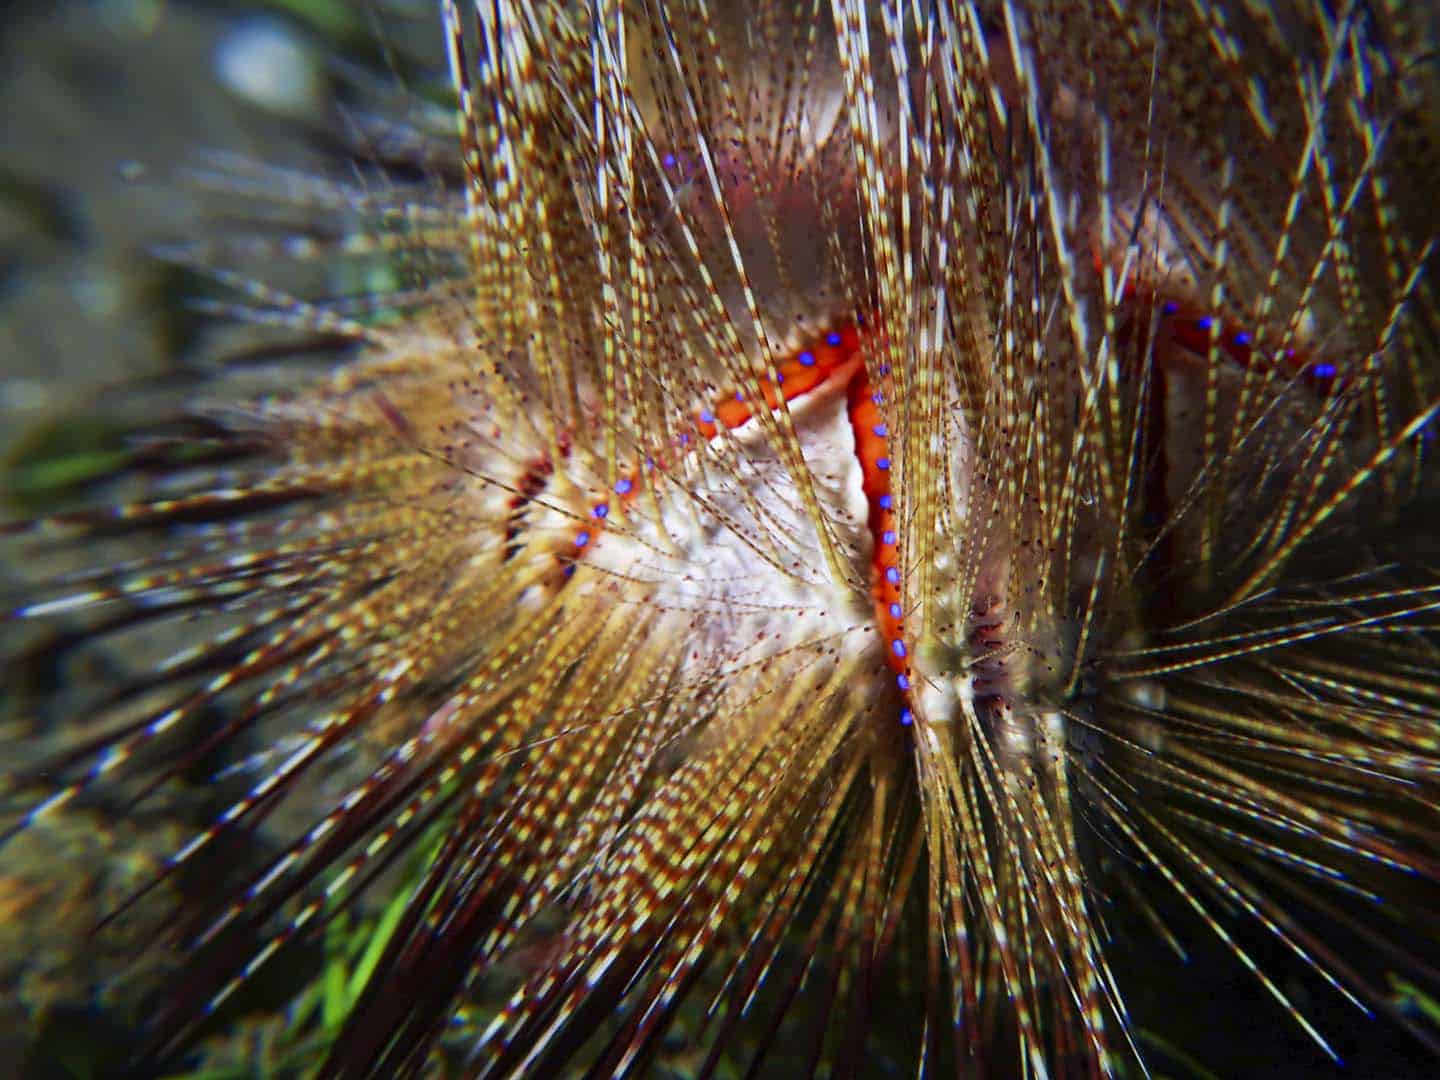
column 1411, row 998
column 353, row 946
column 338, row 21
column 57, row 459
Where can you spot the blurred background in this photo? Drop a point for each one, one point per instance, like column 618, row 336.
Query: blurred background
column 107, row 108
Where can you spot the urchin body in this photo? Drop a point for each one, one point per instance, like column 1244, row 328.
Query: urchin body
column 841, row 472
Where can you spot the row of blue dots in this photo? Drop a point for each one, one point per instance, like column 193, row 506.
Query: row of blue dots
column 889, row 539
column 1243, row 340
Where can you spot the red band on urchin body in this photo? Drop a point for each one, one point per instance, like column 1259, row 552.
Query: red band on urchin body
column 872, row 447
column 835, row 358
column 832, row 359
column 1190, row 327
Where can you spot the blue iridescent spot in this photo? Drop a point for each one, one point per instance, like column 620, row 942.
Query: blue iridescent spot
column 888, row 537
column 886, row 502
column 684, row 439
column 902, row 681
column 881, row 431
column 883, row 464
column 739, row 396
column 884, row 369
column 906, row 717
column 1324, row 371
column 892, row 575
column 581, row 539
column 833, row 338
column 878, row 399
column 668, row 161
column 896, row 611
column 623, row 487
column 706, row 416
column 1242, row 339
column 1170, row 308
column 898, row 648
column 1204, row 322
column 807, row 359
column 602, row 510
column 569, row 570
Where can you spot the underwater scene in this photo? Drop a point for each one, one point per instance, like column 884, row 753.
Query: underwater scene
column 719, row 538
